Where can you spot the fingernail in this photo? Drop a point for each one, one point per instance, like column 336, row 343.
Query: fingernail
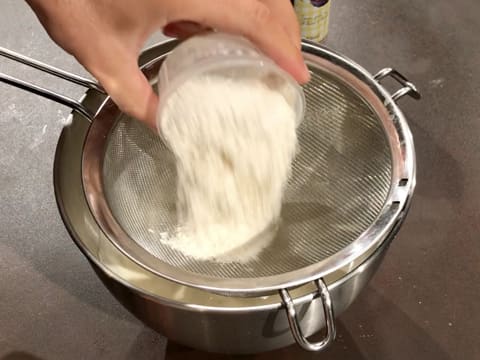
column 304, row 73
column 297, row 42
column 307, row 71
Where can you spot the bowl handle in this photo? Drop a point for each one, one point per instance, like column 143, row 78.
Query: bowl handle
column 328, row 314
column 408, row 87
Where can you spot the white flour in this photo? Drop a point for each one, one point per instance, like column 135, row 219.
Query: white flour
column 234, row 141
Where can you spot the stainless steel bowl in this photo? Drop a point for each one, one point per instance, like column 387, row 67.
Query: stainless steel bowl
column 197, row 317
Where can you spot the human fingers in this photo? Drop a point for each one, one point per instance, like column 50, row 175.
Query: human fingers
column 285, row 13
column 122, row 79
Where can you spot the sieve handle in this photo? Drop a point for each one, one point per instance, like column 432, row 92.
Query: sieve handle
column 407, row 89
column 328, row 314
column 46, row 93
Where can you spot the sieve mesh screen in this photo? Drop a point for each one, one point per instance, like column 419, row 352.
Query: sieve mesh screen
column 340, row 181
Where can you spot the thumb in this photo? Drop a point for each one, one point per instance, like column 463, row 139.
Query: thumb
column 128, row 87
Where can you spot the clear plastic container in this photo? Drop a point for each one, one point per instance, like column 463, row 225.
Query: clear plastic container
column 228, row 55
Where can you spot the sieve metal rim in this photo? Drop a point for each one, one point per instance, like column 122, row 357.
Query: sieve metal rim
column 402, row 185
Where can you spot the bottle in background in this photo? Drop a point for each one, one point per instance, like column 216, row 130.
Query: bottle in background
column 313, row 16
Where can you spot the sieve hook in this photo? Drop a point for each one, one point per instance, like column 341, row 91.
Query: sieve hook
column 46, row 93
column 407, row 89
column 328, row 314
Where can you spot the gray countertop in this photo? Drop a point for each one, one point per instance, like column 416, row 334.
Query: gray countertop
column 422, row 303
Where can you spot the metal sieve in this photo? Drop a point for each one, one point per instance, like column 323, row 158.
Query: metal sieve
column 340, row 182
column 348, row 196
column 350, row 181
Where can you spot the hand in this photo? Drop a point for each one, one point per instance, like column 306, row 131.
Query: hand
column 106, row 37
